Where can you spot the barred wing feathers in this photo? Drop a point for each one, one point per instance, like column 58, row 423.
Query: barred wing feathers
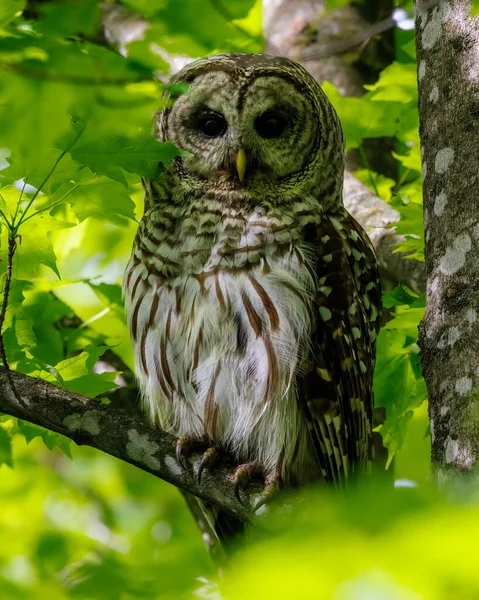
column 337, row 394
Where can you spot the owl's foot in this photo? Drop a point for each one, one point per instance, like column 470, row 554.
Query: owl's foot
column 242, row 475
column 271, row 486
column 186, row 444
column 209, row 459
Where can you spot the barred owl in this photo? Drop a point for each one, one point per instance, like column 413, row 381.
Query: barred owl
column 252, row 295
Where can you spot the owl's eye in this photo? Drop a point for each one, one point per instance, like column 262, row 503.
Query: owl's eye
column 270, row 124
column 212, row 126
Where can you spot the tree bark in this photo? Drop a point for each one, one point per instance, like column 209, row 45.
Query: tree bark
column 448, row 72
column 133, row 440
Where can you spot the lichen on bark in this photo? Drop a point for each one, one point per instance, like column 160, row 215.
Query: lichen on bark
column 447, row 40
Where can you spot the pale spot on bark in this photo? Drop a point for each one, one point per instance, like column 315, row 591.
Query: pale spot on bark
column 451, row 450
column 433, row 29
column 424, row 170
column 434, row 94
column 460, row 454
column 463, row 385
column 88, row 421
column 141, row 449
column 421, row 72
column 172, row 465
column 471, row 315
column 440, row 204
column 449, row 338
column 431, row 427
column 434, row 285
column 426, row 216
column 443, row 160
column 444, row 410
column 444, row 385
column 455, row 256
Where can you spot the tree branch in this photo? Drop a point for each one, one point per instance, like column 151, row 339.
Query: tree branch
column 90, row 423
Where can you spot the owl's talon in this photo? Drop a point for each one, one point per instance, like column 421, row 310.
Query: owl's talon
column 181, row 445
column 209, row 459
column 185, row 445
column 271, row 487
column 241, row 477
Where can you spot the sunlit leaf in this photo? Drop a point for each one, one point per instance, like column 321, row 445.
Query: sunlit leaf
column 109, row 157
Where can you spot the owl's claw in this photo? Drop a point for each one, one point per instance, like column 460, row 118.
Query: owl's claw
column 181, row 444
column 271, row 487
column 185, row 445
column 208, row 460
column 241, row 477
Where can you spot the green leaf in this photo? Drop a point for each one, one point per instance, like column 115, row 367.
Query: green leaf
column 35, row 168
column 396, row 83
column 379, row 184
column 199, row 27
column 35, row 246
column 51, row 439
column 412, row 160
column 75, row 17
column 398, row 384
column 367, row 117
column 406, row 318
column 75, row 374
column 9, row 9
column 411, row 225
column 5, row 448
column 9, row 198
column 401, row 295
column 111, row 156
column 98, row 197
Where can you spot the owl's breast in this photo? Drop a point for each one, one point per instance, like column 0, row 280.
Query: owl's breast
column 218, row 352
column 208, row 236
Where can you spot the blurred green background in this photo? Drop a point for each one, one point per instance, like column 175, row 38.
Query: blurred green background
column 79, row 524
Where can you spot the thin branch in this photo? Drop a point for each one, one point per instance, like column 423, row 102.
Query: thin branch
column 12, row 245
column 52, row 205
column 17, row 208
column 333, row 48
column 88, row 422
column 47, row 177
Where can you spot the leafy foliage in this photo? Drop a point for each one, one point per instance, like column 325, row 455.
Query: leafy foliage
column 75, row 127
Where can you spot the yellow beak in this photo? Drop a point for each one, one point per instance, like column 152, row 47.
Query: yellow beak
column 241, row 164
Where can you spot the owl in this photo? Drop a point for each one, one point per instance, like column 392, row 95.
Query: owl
column 252, row 295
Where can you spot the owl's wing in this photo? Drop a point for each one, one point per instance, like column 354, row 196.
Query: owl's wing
column 337, row 394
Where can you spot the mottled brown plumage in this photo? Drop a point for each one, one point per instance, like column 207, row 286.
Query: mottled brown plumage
column 252, row 295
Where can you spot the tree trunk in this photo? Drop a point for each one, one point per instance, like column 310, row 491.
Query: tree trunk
column 448, row 71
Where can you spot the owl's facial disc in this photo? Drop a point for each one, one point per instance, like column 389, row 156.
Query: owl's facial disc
column 243, row 131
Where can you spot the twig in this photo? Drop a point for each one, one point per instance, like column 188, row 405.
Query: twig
column 47, row 177
column 12, row 245
column 333, row 48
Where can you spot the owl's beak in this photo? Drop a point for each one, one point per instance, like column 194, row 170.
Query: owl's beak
column 241, row 164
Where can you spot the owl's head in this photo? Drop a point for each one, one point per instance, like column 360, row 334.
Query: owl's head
column 254, row 124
